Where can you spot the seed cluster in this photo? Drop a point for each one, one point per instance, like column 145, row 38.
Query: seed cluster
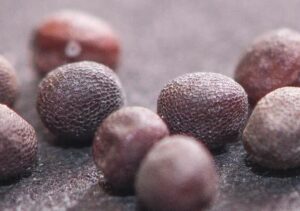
column 82, row 101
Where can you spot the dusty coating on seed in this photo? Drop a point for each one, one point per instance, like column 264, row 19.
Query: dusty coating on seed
column 75, row 98
column 9, row 88
column 122, row 141
column 177, row 174
column 18, row 144
column 70, row 36
column 208, row 106
column 271, row 62
column 272, row 134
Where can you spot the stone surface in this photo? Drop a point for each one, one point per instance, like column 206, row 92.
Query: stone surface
column 161, row 40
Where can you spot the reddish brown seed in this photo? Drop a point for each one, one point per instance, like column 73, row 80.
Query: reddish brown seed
column 208, row 106
column 75, row 98
column 9, row 88
column 70, row 36
column 122, row 141
column 18, row 144
column 271, row 62
column 178, row 174
column 272, row 134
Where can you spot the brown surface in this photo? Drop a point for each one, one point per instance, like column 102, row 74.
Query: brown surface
column 161, row 39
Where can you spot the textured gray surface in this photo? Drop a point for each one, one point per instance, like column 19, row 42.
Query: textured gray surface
column 161, row 40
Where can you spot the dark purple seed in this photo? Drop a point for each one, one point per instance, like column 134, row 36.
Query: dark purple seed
column 9, row 88
column 177, row 174
column 75, row 98
column 271, row 62
column 18, row 144
column 122, row 141
column 208, row 106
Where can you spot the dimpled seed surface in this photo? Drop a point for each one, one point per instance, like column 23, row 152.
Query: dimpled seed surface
column 209, row 106
column 75, row 98
column 69, row 36
column 122, row 141
column 18, row 144
column 272, row 135
column 178, row 174
column 273, row 61
column 8, row 83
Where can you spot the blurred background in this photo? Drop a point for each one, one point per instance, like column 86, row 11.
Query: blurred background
column 161, row 39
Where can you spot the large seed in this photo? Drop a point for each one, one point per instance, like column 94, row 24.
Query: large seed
column 9, row 88
column 18, row 144
column 178, row 174
column 71, row 36
column 209, row 106
column 272, row 135
column 273, row 61
column 75, row 98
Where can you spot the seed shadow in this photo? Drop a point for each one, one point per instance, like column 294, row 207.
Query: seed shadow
column 219, row 150
column 67, row 143
column 266, row 172
column 15, row 179
column 107, row 187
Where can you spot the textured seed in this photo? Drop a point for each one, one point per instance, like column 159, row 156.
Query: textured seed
column 208, row 106
column 272, row 61
column 272, row 135
column 178, row 174
column 122, row 141
column 8, row 83
column 71, row 36
column 75, row 98
column 18, row 144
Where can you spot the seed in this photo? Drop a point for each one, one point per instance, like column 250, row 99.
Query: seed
column 75, row 98
column 208, row 106
column 71, row 36
column 177, row 174
column 8, row 83
column 272, row 135
column 18, row 144
column 271, row 62
column 122, row 141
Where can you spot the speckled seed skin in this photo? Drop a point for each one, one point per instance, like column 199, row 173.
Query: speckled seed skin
column 272, row 134
column 122, row 141
column 208, row 106
column 75, row 98
column 71, row 36
column 271, row 62
column 18, row 144
column 9, row 88
column 178, row 174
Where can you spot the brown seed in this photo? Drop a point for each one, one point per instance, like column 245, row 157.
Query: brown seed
column 70, row 36
column 18, row 144
column 272, row 61
column 9, row 88
column 75, row 98
column 122, row 141
column 272, row 135
column 177, row 174
column 208, row 106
